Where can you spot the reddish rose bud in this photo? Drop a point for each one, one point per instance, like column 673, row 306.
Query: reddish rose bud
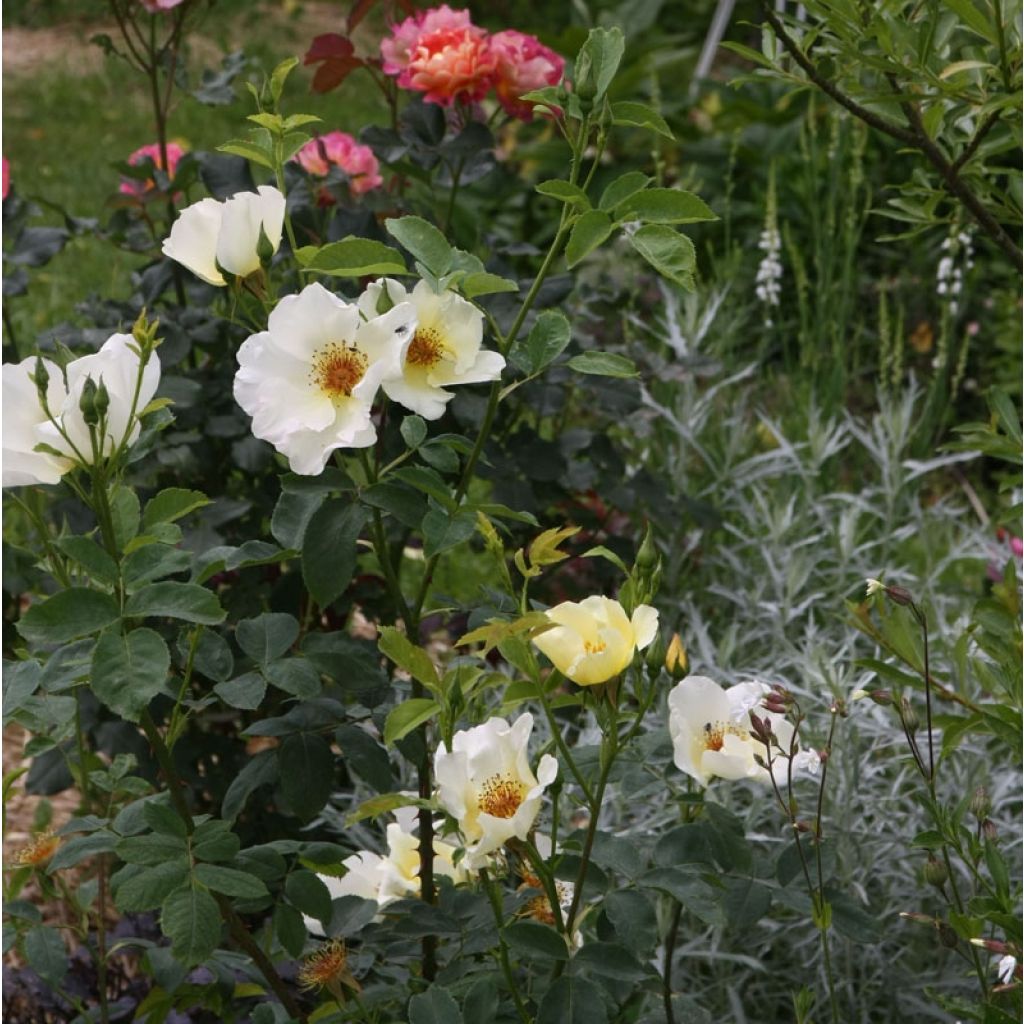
column 900, row 595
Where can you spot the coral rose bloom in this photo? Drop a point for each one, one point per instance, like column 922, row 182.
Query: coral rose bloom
column 452, row 64
column 133, row 187
column 397, row 50
column 523, row 64
column 339, row 149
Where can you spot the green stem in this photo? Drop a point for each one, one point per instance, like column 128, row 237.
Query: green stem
column 559, row 739
column 666, row 972
column 495, row 900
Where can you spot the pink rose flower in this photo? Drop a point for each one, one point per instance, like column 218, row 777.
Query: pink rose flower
column 341, row 150
column 523, row 64
column 442, row 54
column 159, row 6
column 133, row 187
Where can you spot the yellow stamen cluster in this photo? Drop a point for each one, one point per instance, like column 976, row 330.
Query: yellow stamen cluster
column 714, row 734
column 327, row 968
column 39, row 851
column 594, row 648
column 337, row 369
column 501, row 796
column 426, row 349
column 539, row 908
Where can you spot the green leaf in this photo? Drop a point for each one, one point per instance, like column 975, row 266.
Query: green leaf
column 250, row 150
column 443, row 531
column 129, row 671
column 530, row 938
column 305, row 890
column 973, row 18
column 246, row 692
column 306, row 765
column 564, row 191
column 172, row 504
column 665, row 206
column 670, row 253
column 405, row 717
column 383, row 804
column 428, row 481
column 435, row 1006
column 604, row 364
column 610, row 960
column 329, row 548
column 163, row 819
column 81, row 848
column 405, row 503
column 639, row 115
column 214, row 840
column 414, row 431
column 191, row 920
column 424, row 241
column 482, row 283
column 278, row 77
column 151, row 849
column 46, row 955
column 622, row 188
column 589, row 231
column 633, row 917
column 289, row 928
column 90, row 556
column 353, row 257
column 124, row 511
column 230, row 882
column 746, row 902
column 364, row 755
column 267, row 636
column 147, row 888
column 173, row 600
column 597, row 62
column 296, row 676
column 546, row 341
column 292, row 514
column 572, row 1000
column 259, row 771
column 72, row 613
column 406, row 655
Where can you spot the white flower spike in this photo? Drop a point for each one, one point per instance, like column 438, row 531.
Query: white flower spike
column 310, row 379
column 211, row 236
column 595, row 640
column 710, row 730
column 486, row 784
column 445, row 350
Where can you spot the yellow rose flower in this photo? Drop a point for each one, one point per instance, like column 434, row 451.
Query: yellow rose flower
column 594, row 640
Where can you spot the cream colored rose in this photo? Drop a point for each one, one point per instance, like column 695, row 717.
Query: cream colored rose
column 594, row 640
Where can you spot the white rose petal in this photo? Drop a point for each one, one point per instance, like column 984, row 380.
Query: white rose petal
column 23, row 415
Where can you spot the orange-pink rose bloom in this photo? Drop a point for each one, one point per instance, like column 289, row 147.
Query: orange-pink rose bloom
column 133, row 187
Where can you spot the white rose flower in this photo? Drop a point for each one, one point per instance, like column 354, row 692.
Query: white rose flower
column 210, row 236
column 710, row 729
column 444, row 351
column 23, row 415
column 371, row 876
column 310, row 379
column 486, row 784
column 595, row 640
column 116, row 366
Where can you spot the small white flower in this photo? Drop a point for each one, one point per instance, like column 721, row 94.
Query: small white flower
column 594, row 640
column 23, row 415
column 874, row 587
column 710, row 730
column 445, row 350
column 310, row 379
column 486, row 784
column 1005, row 969
column 211, row 236
column 385, row 879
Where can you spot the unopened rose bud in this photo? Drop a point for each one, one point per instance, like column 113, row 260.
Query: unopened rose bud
column 265, row 249
column 647, row 556
column 774, row 706
column 42, row 379
column 947, row 936
column 675, row 658
column 992, row 945
column 655, row 655
column 824, row 754
column 102, row 401
column 935, row 872
column 881, row 697
column 912, row 915
column 802, row 826
column 87, row 403
column 908, row 715
column 989, row 831
column 981, row 805
column 900, row 595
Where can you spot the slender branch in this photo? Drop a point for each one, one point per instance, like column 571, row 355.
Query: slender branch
column 982, row 131
column 666, row 971
column 915, row 136
column 506, row 967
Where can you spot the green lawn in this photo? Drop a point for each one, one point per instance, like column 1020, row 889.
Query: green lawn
column 65, row 127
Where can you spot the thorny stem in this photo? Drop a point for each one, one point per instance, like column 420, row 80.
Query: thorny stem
column 916, row 136
column 666, row 973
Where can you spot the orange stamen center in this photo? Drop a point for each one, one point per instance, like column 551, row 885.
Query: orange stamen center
column 501, row 796
column 714, row 734
column 338, row 368
column 426, row 349
column 594, row 648
column 40, row 850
